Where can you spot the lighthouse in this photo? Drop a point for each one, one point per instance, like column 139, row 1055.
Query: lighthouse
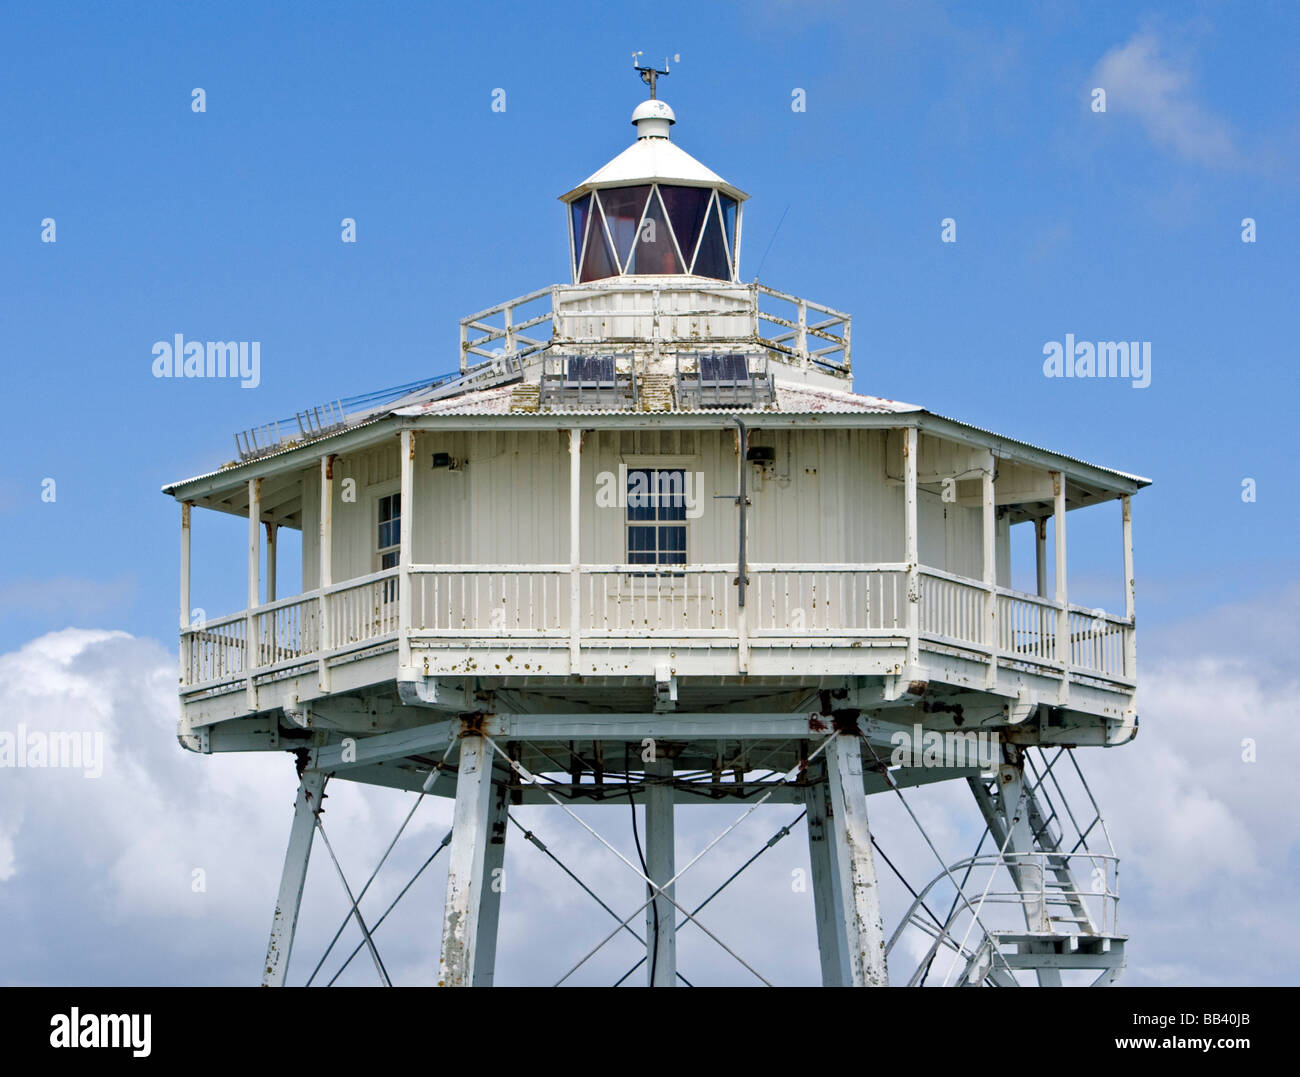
column 641, row 539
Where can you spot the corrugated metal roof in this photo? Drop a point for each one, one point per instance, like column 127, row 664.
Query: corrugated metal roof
column 792, row 400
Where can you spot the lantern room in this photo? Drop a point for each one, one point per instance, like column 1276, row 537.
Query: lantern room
column 654, row 210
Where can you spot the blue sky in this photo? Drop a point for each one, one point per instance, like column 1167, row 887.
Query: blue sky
column 225, row 225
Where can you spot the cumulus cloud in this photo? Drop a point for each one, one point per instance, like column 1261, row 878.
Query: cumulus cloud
column 1141, row 80
column 98, row 875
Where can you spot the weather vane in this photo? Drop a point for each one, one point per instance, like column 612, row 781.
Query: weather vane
column 650, row 75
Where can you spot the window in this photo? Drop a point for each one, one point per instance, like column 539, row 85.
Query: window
column 389, row 539
column 656, row 516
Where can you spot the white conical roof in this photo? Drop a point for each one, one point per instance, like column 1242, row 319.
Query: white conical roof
column 654, row 158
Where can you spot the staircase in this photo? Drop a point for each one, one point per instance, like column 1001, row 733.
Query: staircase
column 1065, row 890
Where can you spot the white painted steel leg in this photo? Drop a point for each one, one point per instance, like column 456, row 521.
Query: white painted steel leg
column 827, row 896
column 1028, row 873
column 856, row 865
column 285, row 922
column 469, row 839
column 494, row 878
column 661, row 933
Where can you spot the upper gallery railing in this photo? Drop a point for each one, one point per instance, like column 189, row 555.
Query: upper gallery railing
column 690, row 311
column 804, row 602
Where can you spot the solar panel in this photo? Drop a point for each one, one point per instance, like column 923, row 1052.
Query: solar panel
column 589, row 372
column 716, row 370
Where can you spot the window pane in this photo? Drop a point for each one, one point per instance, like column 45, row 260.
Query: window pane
column 686, row 206
column 640, row 495
column 597, row 262
column 712, row 258
column 623, row 207
column 579, row 217
column 672, row 545
column 672, row 495
column 641, row 545
column 654, row 251
column 388, row 560
column 729, row 219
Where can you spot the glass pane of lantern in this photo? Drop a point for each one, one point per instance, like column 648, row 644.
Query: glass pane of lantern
column 623, row 207
column 729, row 220
column 579, row 211
column 711, row 261
column 654, row 252
column 597, row 262
column 686, row 207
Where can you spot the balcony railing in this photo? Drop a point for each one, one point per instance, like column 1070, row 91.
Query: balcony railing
column 811, row 604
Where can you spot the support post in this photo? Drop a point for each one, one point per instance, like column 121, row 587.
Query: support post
column 272, row 536
column 252, row 645
column 575, row 546
column 990, row 520
column 186, row 506
column 494, row 875
column 1130, row 592
column 1040, row 555
column 911, row 552
column 1063, row 647
column 469, row 839
column 285, row 921
column 827, row 897
column 661, row 941
column 405, row 553
column 864, row 933
column 1024, row 859
column 326, row 543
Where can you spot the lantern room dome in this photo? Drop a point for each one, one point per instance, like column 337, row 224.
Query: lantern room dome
column 654, row 210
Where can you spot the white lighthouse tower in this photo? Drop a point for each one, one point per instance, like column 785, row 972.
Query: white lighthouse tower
column 646, row 541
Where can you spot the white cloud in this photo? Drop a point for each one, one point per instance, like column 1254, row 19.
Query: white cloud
column 1143, row 81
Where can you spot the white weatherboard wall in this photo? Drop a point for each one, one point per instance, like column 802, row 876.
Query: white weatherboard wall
column 832, row 496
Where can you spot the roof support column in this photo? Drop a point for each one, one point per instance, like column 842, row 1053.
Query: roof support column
column 405, row 553
column 272, row 534
column 990, row 520
column 1040, row 554
column 827, row 897
column 469, row 838
column 1063, row 647
column 864, row 935
column 252, row 646
column 186, row 507
column 326, row 547
column 575, row 546
column 285, row 921
column 1130, row 591
column 910, row 554
column 660, row 855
